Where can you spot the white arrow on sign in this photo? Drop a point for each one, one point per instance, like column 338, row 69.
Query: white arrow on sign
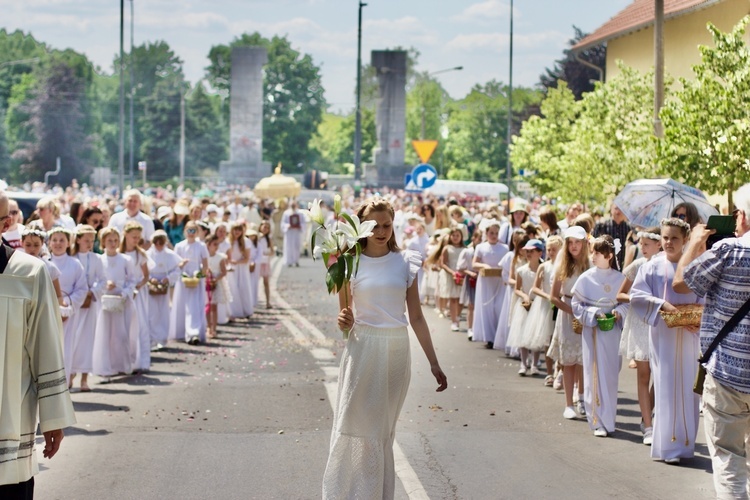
column 425, row 177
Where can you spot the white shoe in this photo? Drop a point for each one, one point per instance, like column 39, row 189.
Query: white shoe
column 672, row 461
column 522, row 371
column 570, row 413
column 470, row 333
column 454, row 327
column 600, row 432
column 558, row 383
column 581, row 408
column 534, row 370
column 648, row 436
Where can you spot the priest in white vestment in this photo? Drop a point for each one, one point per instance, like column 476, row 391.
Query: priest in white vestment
column 293, row 226
column 32, row 379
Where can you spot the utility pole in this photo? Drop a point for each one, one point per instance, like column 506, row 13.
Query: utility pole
column 182, row 137
column 658, row 65
column 121, row 152
column 130, row 162
column 509, row 169
column 358, row 111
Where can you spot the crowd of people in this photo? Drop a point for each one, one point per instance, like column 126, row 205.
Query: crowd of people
column 570, row 298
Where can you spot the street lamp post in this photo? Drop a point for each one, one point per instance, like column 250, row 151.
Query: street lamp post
column 455, row 68
column 358, row 111
column 121, row 152
column 509, row 169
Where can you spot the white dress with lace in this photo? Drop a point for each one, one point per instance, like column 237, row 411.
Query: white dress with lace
column 634, row 341
column 373, row 380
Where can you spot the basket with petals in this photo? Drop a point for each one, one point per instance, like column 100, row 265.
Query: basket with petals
column 156, row 287
column 687, row 315
column 491, row 272
column 191, row 281
column 577, row 326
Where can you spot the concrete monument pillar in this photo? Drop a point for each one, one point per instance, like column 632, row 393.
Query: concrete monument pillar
column 246, row 117
column 390, row 116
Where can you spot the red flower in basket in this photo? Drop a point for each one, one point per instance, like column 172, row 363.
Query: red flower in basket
column 458, row 278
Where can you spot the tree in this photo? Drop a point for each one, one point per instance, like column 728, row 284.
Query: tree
column 578, row 76
column 19, row 54
column 425, row 113
column 160, row 124
column 206, row 144
column 707, row 122
column 541, row 145
column 293, row 96
column 476, row 147
column 4, row 153
column 57, row 119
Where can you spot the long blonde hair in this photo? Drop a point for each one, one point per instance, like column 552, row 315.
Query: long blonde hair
column 569, row 265
column 129, row 227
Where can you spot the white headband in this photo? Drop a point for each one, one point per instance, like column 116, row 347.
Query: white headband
column 649, row 236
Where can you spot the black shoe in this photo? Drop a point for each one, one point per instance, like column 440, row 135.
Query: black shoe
column 194, row 341
column 490, row 345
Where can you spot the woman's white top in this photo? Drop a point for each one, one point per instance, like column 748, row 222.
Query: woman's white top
column 262, row 255
column 194, row 252
column 379, row 289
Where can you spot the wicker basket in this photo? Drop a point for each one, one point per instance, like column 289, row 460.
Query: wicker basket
column 686, row 315
column 158, row 288
column 113, row 303
column 492, row 272
column 577, row 326
column 190, row 282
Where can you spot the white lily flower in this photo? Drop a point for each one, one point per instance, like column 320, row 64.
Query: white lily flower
column 353, row 233
column 330, row 243
column 315, row 212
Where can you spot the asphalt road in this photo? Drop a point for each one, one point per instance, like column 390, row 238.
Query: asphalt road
column 249, row 417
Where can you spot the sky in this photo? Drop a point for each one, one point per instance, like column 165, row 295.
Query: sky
column 447, row 33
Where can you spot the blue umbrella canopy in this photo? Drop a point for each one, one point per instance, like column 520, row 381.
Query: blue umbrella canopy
column 646, row 202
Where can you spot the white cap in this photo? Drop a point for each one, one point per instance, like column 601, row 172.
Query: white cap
column 575, row 232
column 162, row 212
column 212, row 208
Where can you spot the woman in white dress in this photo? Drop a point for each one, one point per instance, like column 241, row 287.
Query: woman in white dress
column 82, row 358
column 164, row 272
column 594, row 295
column 254, row 265
column 116, row 326
column 239, row 256
column 541, row 324
column 375, row 365
column 73, row 286
column 188, row 314
column 566, row 347
column 222, row 231
column 130, row 246
column 673, row 351
column 519, row 327
column 634, row 342
column 490, row 291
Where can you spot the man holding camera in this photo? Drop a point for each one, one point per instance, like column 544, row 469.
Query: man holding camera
column 721, row 274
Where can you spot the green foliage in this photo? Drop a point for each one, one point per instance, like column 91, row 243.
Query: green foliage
column 19, row 54
column 707, row 122
column 206, row 144
column 426, row 105
column 322, row 143
column 160, row 125
column 294, row 101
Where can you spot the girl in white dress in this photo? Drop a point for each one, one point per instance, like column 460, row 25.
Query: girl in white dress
column 490, row 291
column 519, row 328
column 115, row 328
column 130, row 246
column 634, row 342
column 430, row 272
column 254, row 265
column 448, row 289
column 510, row 265
column 265, row 250
column 221, row 231
column 541, row 324
column 164, row 271
column 32, row 243
column 82, row 358
column 239, row 277
column 594, row 295
column 73, row 286
column 469, row 287
column 566, row 347
column 375, row 365
column 673, row 351
column 219, row 290
column 188, row 315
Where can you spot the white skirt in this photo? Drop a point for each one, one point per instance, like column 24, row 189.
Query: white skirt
column 517, row 325
column 373, row 380
column 539, row 325
column 634, row 341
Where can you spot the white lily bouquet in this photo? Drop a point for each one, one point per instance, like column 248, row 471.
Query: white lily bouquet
column 338, row 244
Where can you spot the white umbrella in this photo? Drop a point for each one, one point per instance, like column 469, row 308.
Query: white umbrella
column 646, row 202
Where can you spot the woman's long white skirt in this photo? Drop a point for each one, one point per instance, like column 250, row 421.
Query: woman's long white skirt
column 158, row 318
column 142, row 338
column 188, row 313
column 373, row 381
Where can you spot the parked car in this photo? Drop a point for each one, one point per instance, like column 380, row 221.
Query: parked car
column 26, row 201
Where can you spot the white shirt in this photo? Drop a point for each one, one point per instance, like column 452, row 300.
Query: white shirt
column 119, row 220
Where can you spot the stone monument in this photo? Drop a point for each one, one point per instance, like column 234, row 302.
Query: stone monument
column 390, row 117
column 246, row 163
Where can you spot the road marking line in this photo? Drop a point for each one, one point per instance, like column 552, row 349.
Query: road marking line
column 406, row 474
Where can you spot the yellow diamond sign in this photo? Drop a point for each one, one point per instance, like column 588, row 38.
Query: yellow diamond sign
column 424, row 149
